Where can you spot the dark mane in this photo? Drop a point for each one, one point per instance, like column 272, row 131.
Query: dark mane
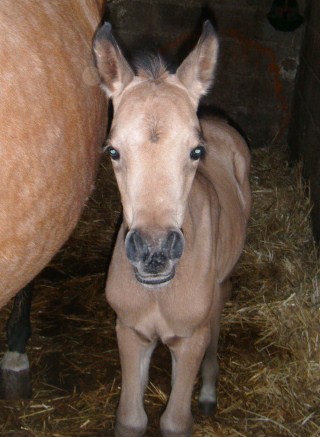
column 150, row 66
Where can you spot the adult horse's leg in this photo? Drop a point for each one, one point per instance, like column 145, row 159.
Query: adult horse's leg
column 15, row 380
column 210, row 366
column 135, row 354
column 187, row 354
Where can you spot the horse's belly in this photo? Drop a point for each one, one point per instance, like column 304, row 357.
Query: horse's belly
column 52, row 124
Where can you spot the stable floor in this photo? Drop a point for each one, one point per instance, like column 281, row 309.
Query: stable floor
column 269, row 346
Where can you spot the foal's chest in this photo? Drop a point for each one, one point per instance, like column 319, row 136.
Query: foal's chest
column 164, row 313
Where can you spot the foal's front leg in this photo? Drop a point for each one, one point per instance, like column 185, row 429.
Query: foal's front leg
column 135, row 354
column 187, row 354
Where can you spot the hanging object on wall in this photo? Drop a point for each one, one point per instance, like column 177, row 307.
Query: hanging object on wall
column 284, row 15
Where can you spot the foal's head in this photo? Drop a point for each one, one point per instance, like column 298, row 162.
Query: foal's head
column 155, row 145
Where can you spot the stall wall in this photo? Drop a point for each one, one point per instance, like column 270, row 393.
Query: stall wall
column 258, row 64
column 304, row 131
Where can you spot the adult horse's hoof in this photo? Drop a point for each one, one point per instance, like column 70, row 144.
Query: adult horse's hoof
column 208, row 408
column 14, row 377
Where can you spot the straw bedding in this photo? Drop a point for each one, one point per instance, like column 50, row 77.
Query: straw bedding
column 269, row 345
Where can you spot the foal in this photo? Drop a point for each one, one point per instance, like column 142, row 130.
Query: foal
column 186, row 199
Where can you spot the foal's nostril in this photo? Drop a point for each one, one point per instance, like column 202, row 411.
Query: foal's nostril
column 134, row 245
column 175, row 243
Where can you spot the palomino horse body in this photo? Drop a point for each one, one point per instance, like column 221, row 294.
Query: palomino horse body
column 53, row 122
column 186, row 201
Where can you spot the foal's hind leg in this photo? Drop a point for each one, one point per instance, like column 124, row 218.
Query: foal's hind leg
column 210, row 372
column 135, row 354
column 15, row 380
column 210, row 366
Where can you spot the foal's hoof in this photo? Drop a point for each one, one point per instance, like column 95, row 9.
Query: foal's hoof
column 14, row 377
column 124, row 431
column 187, row 433
column 180, row 428
column 208, row 408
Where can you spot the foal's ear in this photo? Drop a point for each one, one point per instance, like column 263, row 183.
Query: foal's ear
column 115, row 72
column 197, row 71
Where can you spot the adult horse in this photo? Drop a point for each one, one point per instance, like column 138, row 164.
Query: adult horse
column 53, row 121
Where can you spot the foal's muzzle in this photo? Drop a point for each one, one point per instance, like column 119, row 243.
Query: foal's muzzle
column 154, row 254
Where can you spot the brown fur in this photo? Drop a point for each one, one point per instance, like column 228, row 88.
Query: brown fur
column 53, row 122
column 162, row 189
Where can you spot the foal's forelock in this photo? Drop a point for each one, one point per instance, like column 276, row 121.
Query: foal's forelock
column 151, row 67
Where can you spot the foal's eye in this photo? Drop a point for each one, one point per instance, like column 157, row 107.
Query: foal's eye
column 113, row 153
column 197, row 153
